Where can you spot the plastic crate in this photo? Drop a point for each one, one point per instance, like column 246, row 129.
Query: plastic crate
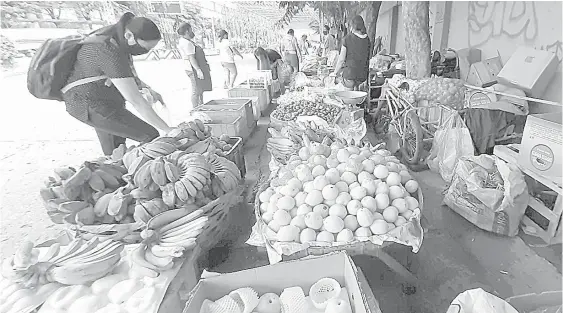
column 232, row 126
column 236, row 155
column 234, row 107
column 242, row 92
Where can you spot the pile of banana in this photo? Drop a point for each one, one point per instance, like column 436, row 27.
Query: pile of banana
column 226, row 176
column 81, row 262
column 69, row 191
column 166, row 237
column 281, row 148
column 190, row 133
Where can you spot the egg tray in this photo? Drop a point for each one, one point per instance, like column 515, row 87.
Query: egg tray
column 409, row 234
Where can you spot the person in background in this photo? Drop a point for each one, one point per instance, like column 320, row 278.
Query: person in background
column 331, row 47
column 304, row 45
column 353, row 62
column 100, row 102
column 227, row 54
column 196, row 65
column 290, row 50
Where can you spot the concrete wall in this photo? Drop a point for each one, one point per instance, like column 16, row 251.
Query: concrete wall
column 494, row 27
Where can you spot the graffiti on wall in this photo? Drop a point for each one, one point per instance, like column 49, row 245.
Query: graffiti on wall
column 492, row 19
column 556, row 47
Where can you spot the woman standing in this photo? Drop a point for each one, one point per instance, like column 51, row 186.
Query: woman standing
column 331, row 46
column 290, row 50
column 196, row 65
column 353, row 62
column 104, row 78
column 227, row 54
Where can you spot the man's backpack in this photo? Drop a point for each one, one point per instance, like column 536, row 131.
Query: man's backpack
column 53, row 63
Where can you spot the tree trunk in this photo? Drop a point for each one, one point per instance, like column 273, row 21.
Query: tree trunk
column 374, row 14
column 417, row 38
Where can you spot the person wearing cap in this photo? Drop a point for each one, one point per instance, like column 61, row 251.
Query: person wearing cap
column 291, row 51
column 227, row 54
column 353, row 62
column 196, row 65
column 112, row 80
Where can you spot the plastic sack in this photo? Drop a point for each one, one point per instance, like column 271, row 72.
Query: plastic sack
column 479, row 301
column 490, row 193
column 451, row 142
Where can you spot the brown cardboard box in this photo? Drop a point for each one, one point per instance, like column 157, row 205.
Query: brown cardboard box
column 466, row 58
column 530, row 70
column 485, row 72
column 540, row 150
column 275, row 278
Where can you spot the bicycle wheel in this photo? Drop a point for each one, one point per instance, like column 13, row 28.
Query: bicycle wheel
column 411, row 143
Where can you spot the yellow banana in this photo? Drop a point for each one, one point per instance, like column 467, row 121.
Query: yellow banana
column 159, row 262
column 161, row 251
column 187, row 217
column 172, row 171
column 136, row 164
column 119, row 152
column 142, row 178
column 185, row 231
column 192, row 191
column 181, row 191
column 169, row 194
column 47, row 194
column 73, row 206
column 109, row 180
column 96, row 182
column 158, row 172
column 187, row 244
column 141, row 214
column 101, row 206
column 166, row 218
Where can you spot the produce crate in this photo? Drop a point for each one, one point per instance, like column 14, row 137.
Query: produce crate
column 232, row 126
column 263, row 95
column 540, row 220
column 236, row 107
column 236, row 155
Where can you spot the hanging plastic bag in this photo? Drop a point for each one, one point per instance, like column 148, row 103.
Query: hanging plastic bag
column 451, row 142
column 490, row 193
column 479, row 301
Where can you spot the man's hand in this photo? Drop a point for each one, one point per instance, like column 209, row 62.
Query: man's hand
column 157, row 97
column 199, row 73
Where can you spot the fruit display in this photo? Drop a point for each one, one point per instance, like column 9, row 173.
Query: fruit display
column 81, row 277
column 70, row 191
column 168, row 235
column 80, row 262
column 294, row 104
column 287, row 142
column 325, row 296
column 338, row 194
column 446, row 91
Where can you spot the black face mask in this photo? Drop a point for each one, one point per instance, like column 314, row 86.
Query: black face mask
column 325, row 32
column 137, row 49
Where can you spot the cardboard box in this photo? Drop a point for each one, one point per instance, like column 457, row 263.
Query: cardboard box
column 530, row 70
column 540, row 150
column 275, row 278
column 484, row 73
column 481, row 98
column 467, row 57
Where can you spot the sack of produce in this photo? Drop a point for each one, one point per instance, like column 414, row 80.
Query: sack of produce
column 446, row 91
column 490, row 193
column 338, row 197
column 479, row 301
column 451, row 142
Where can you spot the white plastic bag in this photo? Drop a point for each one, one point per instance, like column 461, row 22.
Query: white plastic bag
column 479, row 301
column 451, row 142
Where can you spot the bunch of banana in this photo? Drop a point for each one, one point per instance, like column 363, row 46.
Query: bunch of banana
column 190, row 132
column 282, row 148
column 166, row 237
column 194, row 176
column 117, row 206
column 82, row 262
column 70, row 191
column 147, row 209
column 226, row 175
column 206, row 145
